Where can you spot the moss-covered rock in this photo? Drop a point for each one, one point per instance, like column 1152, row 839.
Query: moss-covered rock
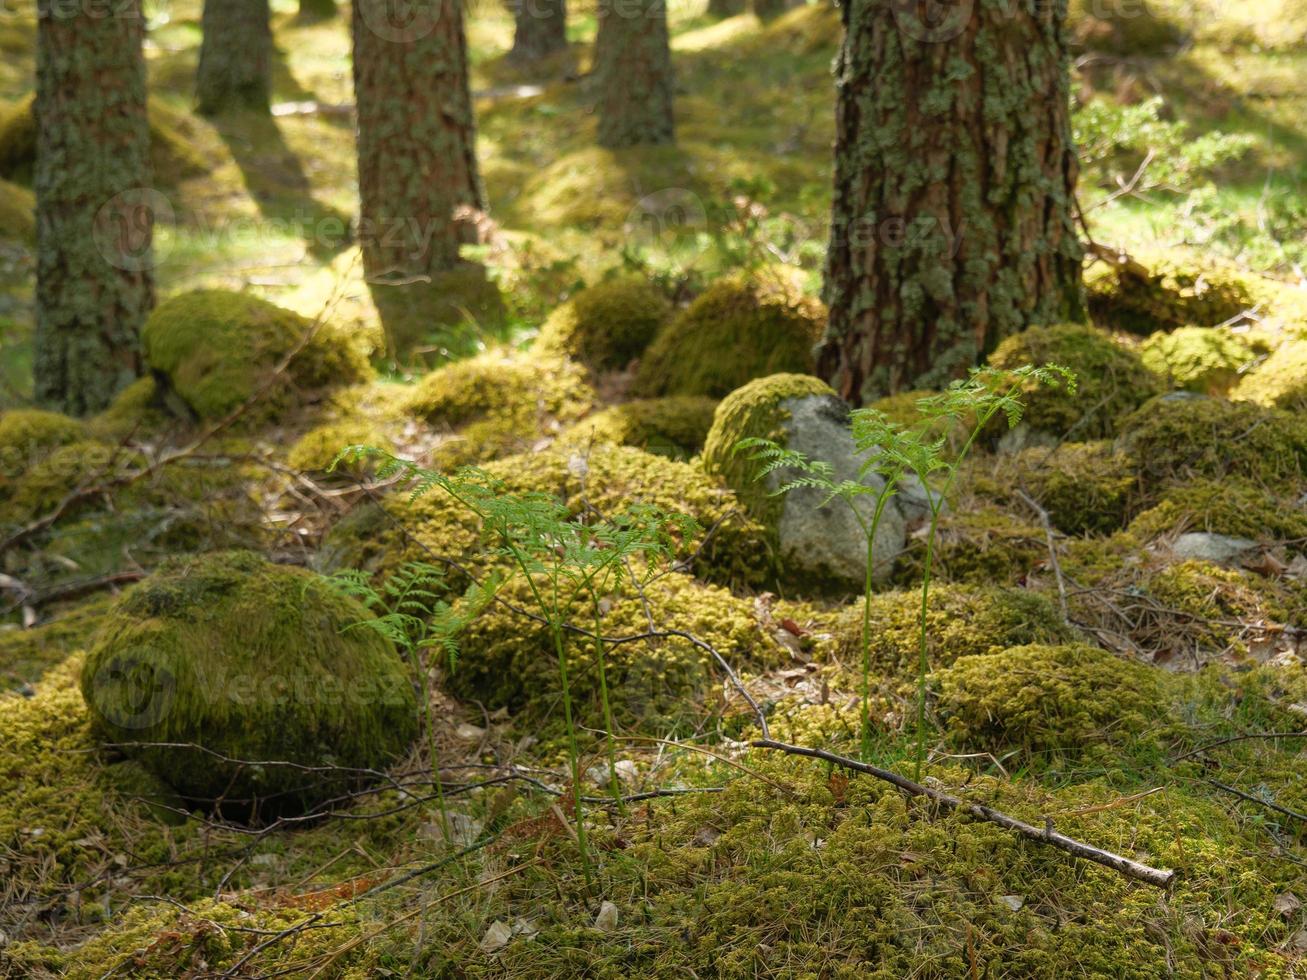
column 17, row 213
column 1280, row 381
column 606, row 326
column 1173, row 290
column 137, row 410
column 1221, row 608
column 233, row 658
column 1111, row 380
column 1229, row 506
column 675, row 426
column 216, row 349
column 317, row 449
column 57, row 473
column 741, row 328
column 1207, row 360
column 1047, row 700
column 1177, row 437
column 28, row 436
column 1086, row 487
column 983, row 546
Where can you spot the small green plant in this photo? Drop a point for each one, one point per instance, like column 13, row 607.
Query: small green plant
column 924, row 449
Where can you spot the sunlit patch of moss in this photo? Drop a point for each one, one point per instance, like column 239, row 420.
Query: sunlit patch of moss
column 1207, row 360
column 606, row 326
column 1085, row 487
column 1280, row 381
column 17, row 213
column 1225, row 606
column 675, row 426
column 217, row 349
column 317, row 449
column 1047, row 699
column 1111, row 380
column 28, row 436
column 762, row 319
column 984, row 546
column 1178, row 291
column 26, row 654
column 137, row 410
column 1229, row 506
column 252, row 661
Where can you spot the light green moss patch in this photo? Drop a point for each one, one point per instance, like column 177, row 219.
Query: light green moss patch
column 741, row 328
column 1086, row 487
column 1207, row 360
column 1229, row 506
column 606, row 326
column 137, row 410
column 1280, row 381
column 1177, row 291
column 675, row 426
column 26, row 654
column 27, row 437
column 985, row 546
column 316, row 450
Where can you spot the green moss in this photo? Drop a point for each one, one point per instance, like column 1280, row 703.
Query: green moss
column 741, row 328
column 1047, row 699
column 27, row 436
column 1207, row 360
column 983, row 546
column 137, row 410
column 252, row 661
column 1111, row 380
column 1176, row 291
column 217, row 349
column 60, row 471
column 455, row 310
column 1143, row 30
column 1086, row 487
column 1280, row 381
column 675, row 426
column 1227, row 506
column 1176, row 438
column 26, row 654
column 606, row 326
column 1222, row 607
column 754, row 411
column 315, row 451
column 17, row 213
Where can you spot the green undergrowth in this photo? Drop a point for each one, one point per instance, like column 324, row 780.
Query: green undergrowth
column 676, row 426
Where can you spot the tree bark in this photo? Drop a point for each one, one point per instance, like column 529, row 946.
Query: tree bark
column 416, row 136
column 540, row 29
column 955, row 172
column 235, row 69
column 94, row 209
column 317, row 9
column 767, row 9
column 633, row 74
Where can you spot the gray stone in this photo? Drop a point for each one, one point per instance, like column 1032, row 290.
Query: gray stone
column 826, row 542
column 1205, row 546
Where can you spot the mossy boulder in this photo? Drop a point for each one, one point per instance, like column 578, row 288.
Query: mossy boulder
column 214, row 350
column 233, row 658
column 1164, row 290
column 1178, row 436
column 317, row 449
column 1280, row 381
column 44, row 484
column 1229, row 506
column 137, row 410
column 819, row 545
column 28, row 436
column 1111, row 379
column 676, row 426
column 606, row 326
column 983, row 546
column 1048, row 700
column 1207, row 360
column 741, row 327
column 1085, row 487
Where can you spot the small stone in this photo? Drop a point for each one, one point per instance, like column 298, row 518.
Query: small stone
column 1013, row 902
column 606, row 920
column 469, row 732
column 1205, row 546
column 496, row 937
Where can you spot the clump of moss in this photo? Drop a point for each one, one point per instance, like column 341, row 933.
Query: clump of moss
column 26, row 654
column 983, row 546
column 742, row 327
column 1047, row 699
column 1207, row 360
column 456, row 308
column 1280, row 381
column 17, row 213
column 1111, row 380
column 1230, row 506
column 606, row 326
column 1223, row 606
column 217, row 349
column 754, row 411
column 1174, row 291
column 1086, row 487
column 27, row 436
column 59, row 472
column 137, row 409
column 675, row 426
column 1175, row 437
column 1145, row 30
column 961, row 621
column 248, row 661
column 316, row 450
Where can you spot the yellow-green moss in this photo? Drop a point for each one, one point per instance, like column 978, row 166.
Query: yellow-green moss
column 1047, row 699
column 17, row 213
column 741, row 328
column 315, row 451
column 754, row 411
column 137, row 410
column 676, row 426
column 1143, row 30
column 58, row 473
column 1207, row 360
column 216, row 349
column 1280, row 381
column 26, row 654
column 1111, row 380
column 606, row 326
column 1175, row 292
column 252, row 661
column 1229, row 506
column 1217, row 600
column 1086, row 487
column 985, row 546
column 28, row 436
column 1176, row 437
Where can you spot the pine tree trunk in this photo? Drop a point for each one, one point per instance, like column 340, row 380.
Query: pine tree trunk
column 235, row 67
column 416, row 136
column 767, row 9
column 94, row 214
column 541, row 29
column 317, row 9
column 955, row 173
column 633, row 73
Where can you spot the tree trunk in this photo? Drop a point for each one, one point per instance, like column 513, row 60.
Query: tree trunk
column 767, row 9
column 417, row 151
column 725, row 8
column 541, row 29
column 955, row 176
column 235, row 68
column 317, row 9
column 94, row 208
column 633, row 73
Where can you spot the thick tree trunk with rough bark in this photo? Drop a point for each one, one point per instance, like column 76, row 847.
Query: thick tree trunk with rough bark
column 633, row 74
column 416, row 136
column 952, row 223
column 94, row 211
column 235, row 69
column 540, row 29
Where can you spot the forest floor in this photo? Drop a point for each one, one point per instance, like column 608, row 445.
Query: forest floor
column 1092, row 660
